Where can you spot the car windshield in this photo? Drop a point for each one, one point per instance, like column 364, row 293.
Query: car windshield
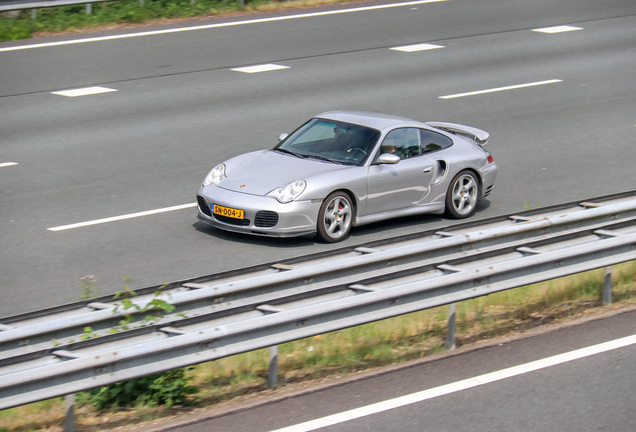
column 331, row 141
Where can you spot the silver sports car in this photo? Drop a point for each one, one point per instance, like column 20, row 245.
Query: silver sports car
column 347, row 168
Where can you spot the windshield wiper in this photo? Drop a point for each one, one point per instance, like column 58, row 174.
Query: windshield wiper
column 324, row 159
column 282, row 150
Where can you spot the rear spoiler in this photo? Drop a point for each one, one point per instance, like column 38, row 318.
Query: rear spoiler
column 477, row 135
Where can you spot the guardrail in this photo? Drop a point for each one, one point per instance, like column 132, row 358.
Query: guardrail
column 8, row 6
column 48, row 353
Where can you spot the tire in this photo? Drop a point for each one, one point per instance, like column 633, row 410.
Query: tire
column 463, row 195
column 335, row 217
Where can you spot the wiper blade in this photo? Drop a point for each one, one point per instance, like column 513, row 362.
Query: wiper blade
column 324, row 159
column 304, row 156
column 282, row 150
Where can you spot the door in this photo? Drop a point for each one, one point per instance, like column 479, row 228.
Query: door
column 402, row 185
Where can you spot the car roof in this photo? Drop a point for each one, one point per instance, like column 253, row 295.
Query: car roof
column 369, row 119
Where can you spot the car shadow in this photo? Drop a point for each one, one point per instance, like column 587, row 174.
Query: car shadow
column 278, row 242
column 415, row 223
column 418, row 223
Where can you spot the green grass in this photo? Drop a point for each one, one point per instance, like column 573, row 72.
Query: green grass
column 19, row 25
column 359, row 348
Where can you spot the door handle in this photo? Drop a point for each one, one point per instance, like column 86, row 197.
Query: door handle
column 427, row 170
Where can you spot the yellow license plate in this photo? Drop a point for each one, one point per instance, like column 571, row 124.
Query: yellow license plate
column 228, row 212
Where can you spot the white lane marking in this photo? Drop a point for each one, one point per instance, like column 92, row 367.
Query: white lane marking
column 122, row 217
column 459, row 386
column 218, row 25
column 260, row 68
column 83, row 91
column 557, row 29
column 7, row 164
column 417, row 47
column 498, row 89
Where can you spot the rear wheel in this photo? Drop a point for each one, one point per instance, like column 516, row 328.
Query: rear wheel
column 335, row 217
column 462, row 195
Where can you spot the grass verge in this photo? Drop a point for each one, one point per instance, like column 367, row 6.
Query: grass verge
column 360, row 348
column 18, row 25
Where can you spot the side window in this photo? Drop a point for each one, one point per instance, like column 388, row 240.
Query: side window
column 404, row 142
column 433, row 141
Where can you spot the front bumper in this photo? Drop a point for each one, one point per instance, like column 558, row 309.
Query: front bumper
column 263, row 216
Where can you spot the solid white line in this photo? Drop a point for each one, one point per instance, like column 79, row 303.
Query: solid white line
column 123, row 217
column 498, row 89
column 86, row 91
column 218, row 25
column 7, row 164
column 459, row 386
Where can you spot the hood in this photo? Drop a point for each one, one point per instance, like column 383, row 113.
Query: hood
column 260, row 172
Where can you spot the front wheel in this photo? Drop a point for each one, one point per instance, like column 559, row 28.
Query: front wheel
column 335, row 217
column 462, row 195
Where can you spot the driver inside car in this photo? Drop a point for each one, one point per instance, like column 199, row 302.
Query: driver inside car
column 392, row 144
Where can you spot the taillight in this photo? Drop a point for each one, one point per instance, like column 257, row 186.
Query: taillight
column 490, row 159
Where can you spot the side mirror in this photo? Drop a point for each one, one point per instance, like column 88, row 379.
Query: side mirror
column 388, row 158
column 282, row 136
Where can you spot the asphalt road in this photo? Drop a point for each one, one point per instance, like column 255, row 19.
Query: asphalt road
column 486, row 387
column 561, row 120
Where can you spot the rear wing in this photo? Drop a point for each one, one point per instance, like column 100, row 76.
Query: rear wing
column 477, row 135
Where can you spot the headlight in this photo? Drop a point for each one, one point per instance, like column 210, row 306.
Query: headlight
column 216, row 176
column 290, row 192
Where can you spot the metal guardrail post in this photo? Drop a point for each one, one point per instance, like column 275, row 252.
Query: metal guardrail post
column 450, row 335
column 69, row 422
column 272, row 376
column 607, row 286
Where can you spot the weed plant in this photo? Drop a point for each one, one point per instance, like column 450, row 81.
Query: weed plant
column 167, row 388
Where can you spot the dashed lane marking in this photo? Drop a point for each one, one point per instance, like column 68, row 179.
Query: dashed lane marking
column 260, row 68
column 86, row 91
column 417, row 47
column 557, row 29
